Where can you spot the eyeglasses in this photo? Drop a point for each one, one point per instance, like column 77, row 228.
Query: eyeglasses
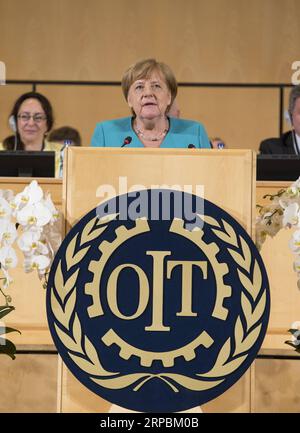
column 37, row 118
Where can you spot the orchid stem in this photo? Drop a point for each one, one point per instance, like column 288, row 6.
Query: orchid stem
column 5, row 296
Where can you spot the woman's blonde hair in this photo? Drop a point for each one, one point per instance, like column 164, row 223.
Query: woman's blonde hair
column 143, row 69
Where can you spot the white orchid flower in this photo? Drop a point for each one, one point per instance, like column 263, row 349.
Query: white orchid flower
column 8, row 257
column 35, row 214
column 291, row 216
column 8, row 194
column 285, row 201
column 8, row 232
column 295, row 336
column 52, row 234
column 41, row 230
column 295, row 325
column 7, row 278
column 294, row 243
column 31, row 194
column 291, row 193
column 260, row 238
column 50, row 205
column 296, row 184
column 37, row 262
column 269, row 223
column 5, row 208
column 296, row 265
column 30, row 242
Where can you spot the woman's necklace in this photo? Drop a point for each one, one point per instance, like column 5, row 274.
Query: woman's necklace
column 158, row 137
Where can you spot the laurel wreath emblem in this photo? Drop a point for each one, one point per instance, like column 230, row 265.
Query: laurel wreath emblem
column 83, row 353
column 253, row 302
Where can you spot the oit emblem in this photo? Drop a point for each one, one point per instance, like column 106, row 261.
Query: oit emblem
column 158, row 313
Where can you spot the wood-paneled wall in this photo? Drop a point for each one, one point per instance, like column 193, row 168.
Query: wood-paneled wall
column 221, row 41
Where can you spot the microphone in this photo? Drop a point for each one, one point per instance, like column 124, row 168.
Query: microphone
column 295, row 143
column 13, row 127
column 288, row 116
column 191, row 146
column 67, row 143
column 126, row 141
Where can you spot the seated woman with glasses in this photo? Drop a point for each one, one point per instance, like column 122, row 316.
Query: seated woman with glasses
column 31, row 119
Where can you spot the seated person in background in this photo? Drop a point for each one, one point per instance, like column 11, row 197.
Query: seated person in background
column 65, row 134
column 150, row 88
column 217, row 143
column 31, row 118
column 289, row 142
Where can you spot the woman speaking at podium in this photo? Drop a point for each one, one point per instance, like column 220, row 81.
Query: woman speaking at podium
column 150, row 88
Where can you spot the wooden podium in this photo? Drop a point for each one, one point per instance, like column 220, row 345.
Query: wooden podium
column 29, row 384
column 228, row 178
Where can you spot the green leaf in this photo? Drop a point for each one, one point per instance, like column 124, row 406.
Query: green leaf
column 5, row 330
column 7, row 348
column 5, row 309
column 290, row 343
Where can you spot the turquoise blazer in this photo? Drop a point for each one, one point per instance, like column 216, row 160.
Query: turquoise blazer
column 182, row 134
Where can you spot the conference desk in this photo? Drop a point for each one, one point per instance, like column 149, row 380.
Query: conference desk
column 30, row 382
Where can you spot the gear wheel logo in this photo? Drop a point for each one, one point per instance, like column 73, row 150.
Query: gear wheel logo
column 158, row 314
